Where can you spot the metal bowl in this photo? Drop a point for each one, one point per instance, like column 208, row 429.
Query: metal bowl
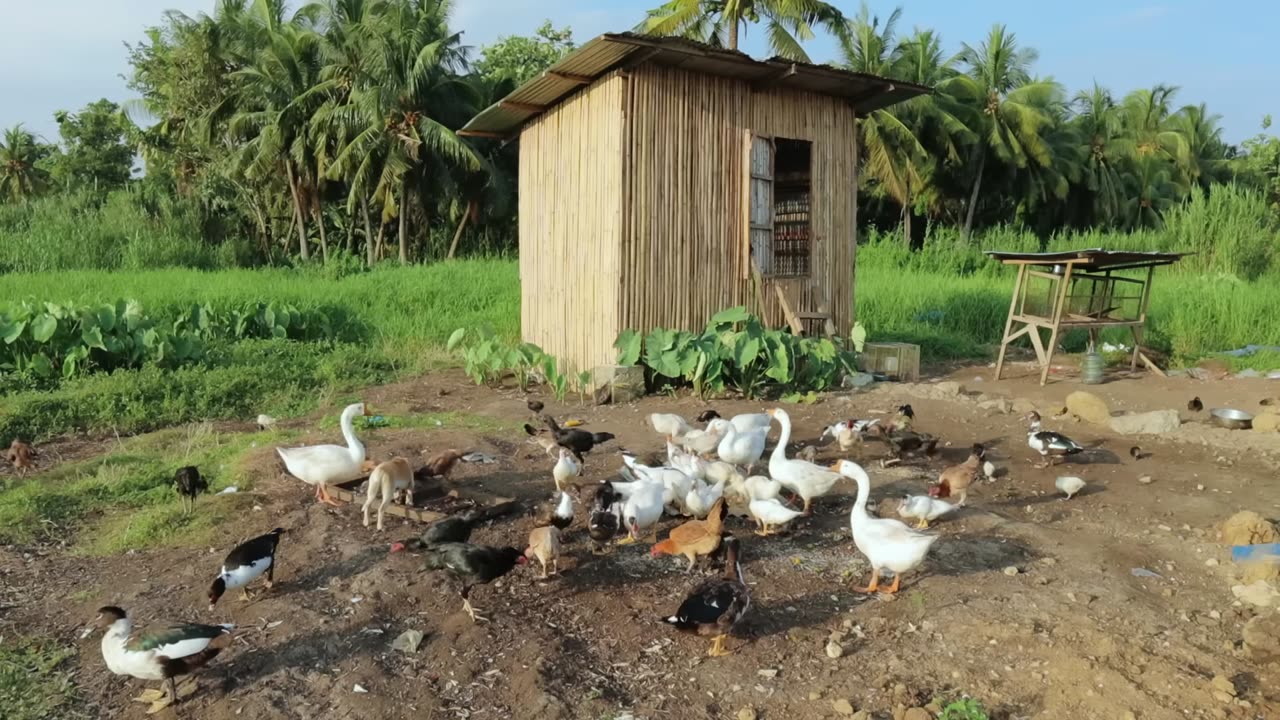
column 1232, row 419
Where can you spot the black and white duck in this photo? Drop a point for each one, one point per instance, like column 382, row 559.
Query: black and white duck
column 244, row 564
column 1049, row 444
column 161, row 653
column 716, row 605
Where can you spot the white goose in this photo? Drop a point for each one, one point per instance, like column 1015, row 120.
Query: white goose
column 805, row 479
column 888, row 544
column 324, row 465
column 738, row 447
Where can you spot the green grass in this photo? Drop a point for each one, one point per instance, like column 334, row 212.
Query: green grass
column 125, row 499
column 964, row 709
column 34, row 685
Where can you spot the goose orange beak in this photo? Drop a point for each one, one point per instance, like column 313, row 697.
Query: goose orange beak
column 771, row 411
column 835, row 466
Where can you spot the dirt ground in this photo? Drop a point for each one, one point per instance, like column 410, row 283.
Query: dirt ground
column 1073, row 633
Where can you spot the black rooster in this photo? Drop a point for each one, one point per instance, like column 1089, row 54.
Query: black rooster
column 473, row 565
column 456, row 529
column 574, row 440
column 189, row 484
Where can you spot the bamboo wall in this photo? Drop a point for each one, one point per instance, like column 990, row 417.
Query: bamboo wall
column 685, row 199
column 571, row 226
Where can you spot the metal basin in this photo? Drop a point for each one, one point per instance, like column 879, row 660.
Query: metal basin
column 1232, row 419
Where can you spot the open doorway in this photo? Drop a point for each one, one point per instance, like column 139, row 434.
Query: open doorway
column 781, row 201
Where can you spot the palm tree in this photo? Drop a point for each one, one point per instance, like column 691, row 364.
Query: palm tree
column 1012, row 126
column 788, row 23
column 280, row 91
column 20, row 178
column 393, row 117
column 1108, row 149
column 1207, row 153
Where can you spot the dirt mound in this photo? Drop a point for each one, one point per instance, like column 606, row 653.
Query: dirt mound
column 1248, row 528
column 1089, row 407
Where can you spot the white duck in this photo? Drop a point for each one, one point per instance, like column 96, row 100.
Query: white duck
column 1069, row 485
column 669, row 425
column 760, row 487
column 162, row 653
column 738, row 447
column 888, row 544
column 642, row 509
column 675, row 482
column 744, row 423
column 924, row 509
column 771, row 515
column 565, row 468
column 691, row 465
column 324, row 465
column 703, row 442
column 803, row 478
column 701, row 497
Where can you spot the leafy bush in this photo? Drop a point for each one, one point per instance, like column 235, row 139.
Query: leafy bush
column 966, row 709
column 737, row 351
column 488, row 359
column 43, row 343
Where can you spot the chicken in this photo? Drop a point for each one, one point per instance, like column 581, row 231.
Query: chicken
column 266, row 422
column 535, row 406
column 566, row 467
column 955, row 480
column 547, row 444
column 902, row 444
column 1069, row 486
column 577, row 442
column 808, row 453
column 903, row 420
column 19, row 456
column 473, row 565
column 544, row 544
column 189, row 484
column 1195, row 405
column 989, row 470
column 441, row 464
column 696, row 538
column 606, row 516
column 559, row 515
column 456, row 529
column 1136, row 453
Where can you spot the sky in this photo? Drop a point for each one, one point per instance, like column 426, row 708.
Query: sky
column 63, row 54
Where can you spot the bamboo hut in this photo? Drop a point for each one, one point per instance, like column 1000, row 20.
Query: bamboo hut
column 663, row 180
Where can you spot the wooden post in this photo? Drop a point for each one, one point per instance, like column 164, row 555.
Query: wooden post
column 1142, row 317
column 1057, row 321
column 1008, row 323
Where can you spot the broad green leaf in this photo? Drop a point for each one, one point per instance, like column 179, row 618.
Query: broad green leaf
column 668, row 364
column 69, row 365
column 43, row 327
column 13, row 331
column 659, row 340
column 93, row 338
column 731, row 315
column 106, row 316
column 455, row 338
column 40, row 366
column 746, row 352
column 279, row 332
column 629, row 344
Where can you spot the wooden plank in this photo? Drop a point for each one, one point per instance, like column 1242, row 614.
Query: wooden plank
column 343, row 493
column 1058, row 307
column 1008, row 323
column 527, row 107
column 1149, row 363
column 579, row 79
column 797, row 326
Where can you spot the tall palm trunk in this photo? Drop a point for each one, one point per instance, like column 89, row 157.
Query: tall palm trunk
column 324, row 241
column 351, row 234
column 973, row 197
column 906, row 219
column 462, row 225
column 298, row 215
column 368, row 232
column 404, row 220
column 733, row 32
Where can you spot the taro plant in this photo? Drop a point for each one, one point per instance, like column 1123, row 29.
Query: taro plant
column 736, row 351
column 488, row 360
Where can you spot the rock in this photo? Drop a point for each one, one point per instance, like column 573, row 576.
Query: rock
column 1248, row 528
column 407, row 641
column 1088, row 407
column 1269, row 422
column 747, row 713
column 1260, row 593
column 949, row 388
column 1145, row 480
column 768, row 673
column 834, row 649
column 1262, row 638
column 1248, row 373
column 1224, row 683
column 1211, row 562
column 815, row 695
column 1156, row 422
column 1128, row 715
column 1022, row 406
column 917, row 714
column 842, row 707
column 858, row 380
column 1011, row 571
column 999, row 405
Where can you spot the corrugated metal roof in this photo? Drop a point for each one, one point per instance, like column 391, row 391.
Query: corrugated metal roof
column 607, row 52
column 1095, row 258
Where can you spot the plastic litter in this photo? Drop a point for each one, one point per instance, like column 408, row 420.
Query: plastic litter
column 1145, row 573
